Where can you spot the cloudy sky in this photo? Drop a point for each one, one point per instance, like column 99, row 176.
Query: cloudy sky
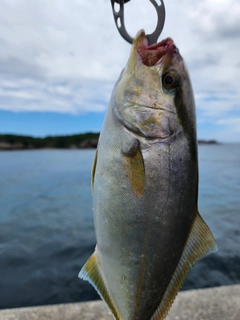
column 59, row 60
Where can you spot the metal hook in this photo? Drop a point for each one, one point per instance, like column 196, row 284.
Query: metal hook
column 119, row 20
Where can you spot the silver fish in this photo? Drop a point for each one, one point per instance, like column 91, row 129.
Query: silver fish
column 145, row 187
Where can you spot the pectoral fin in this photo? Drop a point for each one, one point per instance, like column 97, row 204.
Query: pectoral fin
column 94, row 169
column 135, row 170
column 91, row 272
column 199, row 244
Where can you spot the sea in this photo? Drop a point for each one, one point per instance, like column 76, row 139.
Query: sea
column 47, row 233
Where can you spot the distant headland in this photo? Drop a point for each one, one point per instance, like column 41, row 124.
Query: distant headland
column 87, row 140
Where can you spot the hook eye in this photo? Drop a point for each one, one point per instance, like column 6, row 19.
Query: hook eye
column 119, row 20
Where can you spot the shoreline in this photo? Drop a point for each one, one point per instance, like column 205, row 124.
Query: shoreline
column 89, row 140
column 85, row 145
column 205, row 304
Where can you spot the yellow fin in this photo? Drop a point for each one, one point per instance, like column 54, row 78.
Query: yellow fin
column 94, row 169
column 135, row 171
column 91, row 272
column 199, row 244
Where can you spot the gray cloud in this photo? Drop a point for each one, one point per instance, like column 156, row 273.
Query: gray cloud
column 17, row 68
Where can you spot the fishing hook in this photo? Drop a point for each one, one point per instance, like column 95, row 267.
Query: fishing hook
column 119, row 20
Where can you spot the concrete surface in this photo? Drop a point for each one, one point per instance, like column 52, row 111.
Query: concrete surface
column 222, row 303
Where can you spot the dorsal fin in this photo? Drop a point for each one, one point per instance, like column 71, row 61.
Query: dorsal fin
column 199, row 244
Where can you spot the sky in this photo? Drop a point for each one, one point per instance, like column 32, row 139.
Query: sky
column 60, row 59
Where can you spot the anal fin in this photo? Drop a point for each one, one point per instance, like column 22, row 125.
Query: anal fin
column 91, row 272
column 199, row 244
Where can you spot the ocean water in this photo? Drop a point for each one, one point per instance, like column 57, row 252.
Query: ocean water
column 46, row 223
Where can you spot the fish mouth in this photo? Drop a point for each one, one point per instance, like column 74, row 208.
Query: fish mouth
column 152, row 55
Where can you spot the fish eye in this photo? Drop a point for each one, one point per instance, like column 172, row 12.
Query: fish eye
column 169, row 81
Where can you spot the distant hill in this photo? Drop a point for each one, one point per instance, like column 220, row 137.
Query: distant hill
column 207, row 142
column 17, row 142
column 76, row 141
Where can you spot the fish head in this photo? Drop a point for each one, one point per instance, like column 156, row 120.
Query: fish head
column 154, row 97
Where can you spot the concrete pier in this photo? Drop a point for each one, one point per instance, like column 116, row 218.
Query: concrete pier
column 222, row 303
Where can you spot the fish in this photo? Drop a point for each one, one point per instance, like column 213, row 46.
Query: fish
column 145, row 187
